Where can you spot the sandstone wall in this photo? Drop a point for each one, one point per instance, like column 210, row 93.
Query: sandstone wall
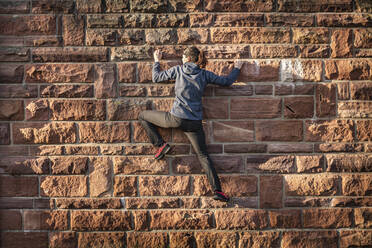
column 291, row 139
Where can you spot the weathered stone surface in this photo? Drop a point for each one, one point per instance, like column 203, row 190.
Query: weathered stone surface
column 289, row 19
column 270, row 163
column 104, row 21
column 285, row 219
column 66, row 91
column 242, row 108
column 258, row 239
column 45, row 220
column 343, row 20
column 300, row 70
column 100, row 220
column 314, row 6
column 10, row 220
column 70, row 54
column 53, row 6
column 101, row 37
column 193, row 36
column 131, row 37
column 73, row 30
column 105, row 85
column 69, row 165
column 181, row 239
column 132, row 91
column 43, row 41
column 114, row 240
column 356, row 185
column 356, row 69
column 349, row 163
column 24, row 165
column 18, row 91
column 4, row 134
column 341, row 43
column 164, row 185
column 14, row 54
column 88, row 6
column 327, row 218
column 127, row 72
column 104, row 132
column 299, row 107
column 295, row 239
column 100, row 177
column 326, row 100
column 59, row 73
column 271, row 191
column 81, row 150
column 140, row 239
column 126, row 109
column 311, row 185
column 308, row 202
column 241, row 219
column 111, row 149
column 125, row 186
column 312, row 163
column 28, row 25
column 19, row 239
column 351, row 202
column 363, row 218
column 234, row 6
column 139, row 150
column 233, row 131
column 314, row 51
column 117, row 6
column 249, row 35
column 186, row 6
column 279, row 130
column 11, row 110
column 355, row 109
column 161, row 36
column 215, row 239
column 139, row 20
column 275, row 51
column 310, row 35
column 139, row 165
column 246, row 148
column 144, row 6
column 362, row 38
column 11, row 73
column 330, row 131
column 361, row 91
column 355, row 238
column 38, row 133
column 152, row 203
column 172, row 20
column 59, row 186
column 289, row 148
column 363, row 130
column 77, row 110
column 125, row 53
column 82, row 203
column 14, row 7
column 26, row 186
column 37, row 110
column 181, row 219
column 63, row 239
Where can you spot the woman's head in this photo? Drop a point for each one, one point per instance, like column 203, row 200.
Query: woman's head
column 191, row 54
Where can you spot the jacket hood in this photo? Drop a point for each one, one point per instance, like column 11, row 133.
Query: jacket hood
column 190, row 68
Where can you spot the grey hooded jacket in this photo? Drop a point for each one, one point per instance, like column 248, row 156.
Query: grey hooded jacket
column 189, row 87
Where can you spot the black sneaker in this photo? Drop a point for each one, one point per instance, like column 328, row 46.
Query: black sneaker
column 164, row 149
column 220, row 196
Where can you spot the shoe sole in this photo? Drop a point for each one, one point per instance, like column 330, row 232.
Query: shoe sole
column 165, row 151
column 221, row 199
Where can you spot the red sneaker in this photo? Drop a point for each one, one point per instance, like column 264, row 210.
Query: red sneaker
column 164, row 149
column 220, row 196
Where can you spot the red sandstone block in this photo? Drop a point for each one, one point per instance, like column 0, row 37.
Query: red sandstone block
column 356, row 185
column 343, row 20
column 59, row 73
column 87, row 203
column 299, row 107
column 238, row 20
column 11, row 73
column 119, row 110
column 108, row 239
column 357, row 69
column 28, row 25
column 132, row 91
column 63, row 239
column 105, row 85
column 77, row 110
column 73, row 30
column 52, row 6
column 85, row 54
column 362, row 38
column 19, row 186
column 305, row 6
column 164, row 185
column 18, row 165
column 215, row 239
column 355, row 238
column 127, row 72
column 341, row 43
column 343, row 91
column 241, row 219
column 289, row 19
column 349, row 163
column 193, row 36
column 38, row 133
column 314, row 163
column 181, row 219
column 314, row 51
column 330, row 131
column 259, row 239
column 271, row 191
column 67, row 91
column 101, row 220
column 98, row 132
column 297, row 239
column 18, row 91
column 363, row 130
column 152, row 203
column 24, row 239
column 14, row 55
column 64, row 186
column 45, row 220
column 290, row 148
column 171, row 20
column 215, row 108
column 125, row 53
column 181, row 239
column 361, row 91
column 10, row 220
column 11, row 202
column 69, row 165
column 14, row 7
column 186, row 6
column 310, row 35
column 143, row 239
column 274, row 51
column 124, row 37
column 233, row 131
column 161, row 37
column 285, row 219
column 242, row 108
column 238, row 6
column 11, row 110
column 279, row 130
column 362, row 217
column 88, row 6
column 327, row 218
column 326, row 100
column 311, row 185
column 244, row 148
column 140, row 165
column 361, row 109
column 270, row 163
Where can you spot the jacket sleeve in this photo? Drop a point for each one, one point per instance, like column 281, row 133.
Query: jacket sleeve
column 223, row 80
column 160, row 76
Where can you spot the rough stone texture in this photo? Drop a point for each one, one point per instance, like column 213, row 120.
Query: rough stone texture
column 290, row 139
